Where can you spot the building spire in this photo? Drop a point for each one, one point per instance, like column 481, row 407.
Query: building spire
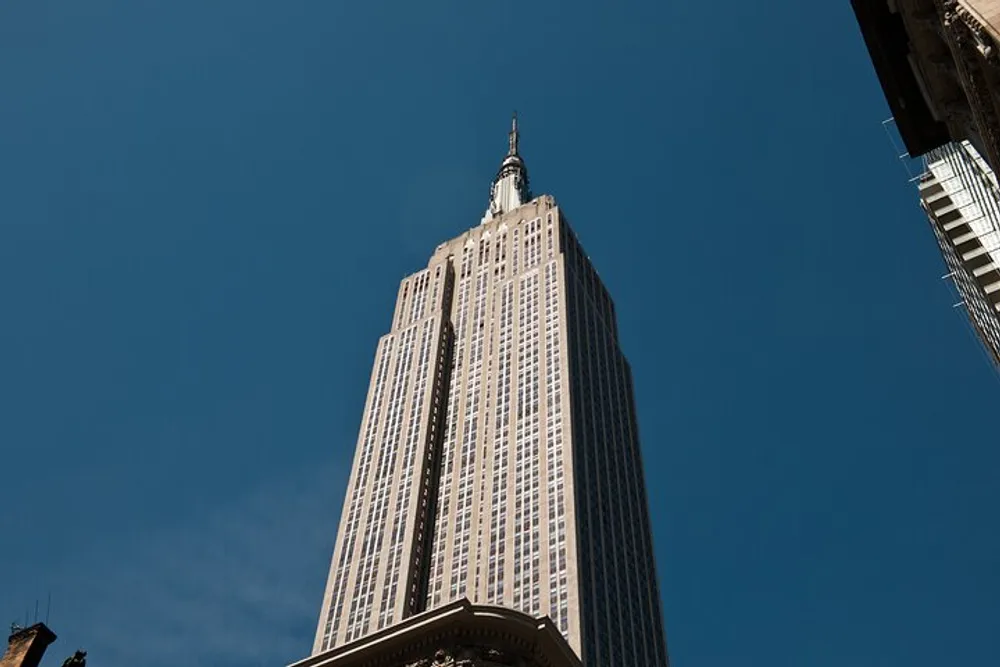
column 514, row 137
column 510, row 186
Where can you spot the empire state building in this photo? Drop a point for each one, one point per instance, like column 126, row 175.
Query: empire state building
column 498, row 460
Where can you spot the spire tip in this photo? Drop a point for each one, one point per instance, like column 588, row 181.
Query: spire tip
column 514, row 137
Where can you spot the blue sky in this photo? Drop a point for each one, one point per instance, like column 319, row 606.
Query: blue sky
column 205, row 210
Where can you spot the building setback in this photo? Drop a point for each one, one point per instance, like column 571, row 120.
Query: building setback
column 498, row 459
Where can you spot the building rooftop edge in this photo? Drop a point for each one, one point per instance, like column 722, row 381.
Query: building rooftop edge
column 36, row 629
column 458, row 617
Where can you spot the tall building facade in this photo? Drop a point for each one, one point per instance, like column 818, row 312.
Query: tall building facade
column 498, row 459
column 960, row 194
column 939, row 65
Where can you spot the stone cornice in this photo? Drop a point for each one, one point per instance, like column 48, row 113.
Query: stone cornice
column 969, row 8
column 459, row 634
column 971, row 49
column 983, row 39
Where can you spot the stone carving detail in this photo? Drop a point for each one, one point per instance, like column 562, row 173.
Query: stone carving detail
column 79, row 659
column 443, row 659
column 947, row 11
column 470, row 656
column 984, row 42
column 966, row 37
column 986, row 46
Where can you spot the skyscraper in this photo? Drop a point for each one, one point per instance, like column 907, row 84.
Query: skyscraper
column 498, row 458
column 960, row 194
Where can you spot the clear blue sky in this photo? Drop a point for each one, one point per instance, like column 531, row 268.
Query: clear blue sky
column 205, row 210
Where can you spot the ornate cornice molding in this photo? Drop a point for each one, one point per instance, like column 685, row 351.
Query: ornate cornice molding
column 982, row 39
column 457, row 635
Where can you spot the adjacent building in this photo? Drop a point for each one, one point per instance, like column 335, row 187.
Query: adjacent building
column 939, row 66
column 498, row 463
column 938, row 62
column 960, row 194
column 26, row 647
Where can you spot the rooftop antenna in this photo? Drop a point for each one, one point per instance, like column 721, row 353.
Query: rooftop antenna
column 48, row 608
column 514, row 136
column 36, row 610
